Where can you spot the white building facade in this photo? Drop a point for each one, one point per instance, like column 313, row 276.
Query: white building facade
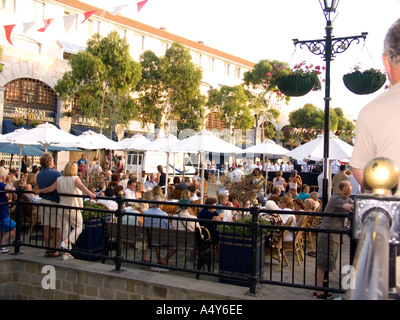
column 38, row 36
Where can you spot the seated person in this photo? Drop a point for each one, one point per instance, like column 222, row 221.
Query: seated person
column 31, row 196
column 185, row 213
column 110, row 204
column 223, row 200
column 211, row 214
column 162, row 222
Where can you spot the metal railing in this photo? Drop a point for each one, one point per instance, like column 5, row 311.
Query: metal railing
column 236, row 252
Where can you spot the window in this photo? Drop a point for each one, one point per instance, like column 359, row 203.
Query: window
column 44, row 97
column 227, row 69
column 122, row 33
column 94, row 26
column 165, row 47
column 214, row 122
column 39, row 10
column 237, row 72
column 139, row 42
column 8, row 5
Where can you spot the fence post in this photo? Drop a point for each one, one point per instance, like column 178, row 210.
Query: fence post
column 17, row 241
column 254, row 228
column 119, row 214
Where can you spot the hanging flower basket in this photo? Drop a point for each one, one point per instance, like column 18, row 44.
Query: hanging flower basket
column 295, row 86
column 364, row 82
column 295, row 82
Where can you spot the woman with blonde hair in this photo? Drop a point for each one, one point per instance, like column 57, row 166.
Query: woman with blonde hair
column 139, row 190
column 70, row 183
column 157, row 191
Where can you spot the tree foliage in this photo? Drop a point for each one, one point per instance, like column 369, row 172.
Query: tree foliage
column 265, row 97
column 103, row 77
column 232, row 106
column 170, row 88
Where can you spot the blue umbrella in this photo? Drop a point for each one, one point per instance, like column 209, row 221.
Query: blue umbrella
column 26, row 150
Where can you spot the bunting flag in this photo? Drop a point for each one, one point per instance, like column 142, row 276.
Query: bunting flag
column 87, row 15
column 28, row 26
column 118, row 9
column 69, row 21
column 141, row 4
column 47, row 22
column 8, row 29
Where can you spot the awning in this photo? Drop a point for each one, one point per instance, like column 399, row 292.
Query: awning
column 71, row 47
column 8, row 126
column 78, row 130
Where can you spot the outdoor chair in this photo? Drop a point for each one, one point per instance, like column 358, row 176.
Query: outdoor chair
column 203, row 245
column 296, row 246
column 275, row 251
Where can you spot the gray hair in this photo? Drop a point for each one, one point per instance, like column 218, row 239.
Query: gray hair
column 392, row 43
column 156, row 198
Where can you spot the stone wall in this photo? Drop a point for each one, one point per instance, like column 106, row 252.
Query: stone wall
column 22, row 278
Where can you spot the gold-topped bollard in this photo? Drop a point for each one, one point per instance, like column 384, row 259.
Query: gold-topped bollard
column 381, row 174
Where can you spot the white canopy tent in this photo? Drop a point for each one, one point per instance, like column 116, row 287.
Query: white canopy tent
column 314, row 150
column 166, row 144
column 203, row 143
column 134, row 143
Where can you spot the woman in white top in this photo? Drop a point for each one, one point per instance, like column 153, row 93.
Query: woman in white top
column 286, row 204
column 280, row 181
column 70, row 183
column 295, row 182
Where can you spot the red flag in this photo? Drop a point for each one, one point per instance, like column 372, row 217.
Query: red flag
column 8, row 29
column 46, row 25
column 87, row 15
column 141, row 4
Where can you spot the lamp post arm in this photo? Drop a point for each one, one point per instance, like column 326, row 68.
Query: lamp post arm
column 338, row 45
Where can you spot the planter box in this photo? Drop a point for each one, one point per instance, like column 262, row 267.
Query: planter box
column 91, row 240
column 235, row 257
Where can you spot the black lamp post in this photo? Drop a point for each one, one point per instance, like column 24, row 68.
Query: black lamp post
column 328, row 48
column 28, row 97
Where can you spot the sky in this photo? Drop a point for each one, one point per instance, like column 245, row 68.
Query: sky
column 264, row 29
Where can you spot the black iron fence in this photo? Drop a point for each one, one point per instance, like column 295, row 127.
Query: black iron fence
column 250, row 251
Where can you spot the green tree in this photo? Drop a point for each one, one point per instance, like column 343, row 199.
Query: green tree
column 232, row 105
column 264, row 97
column 103, row 78
column 170, row 89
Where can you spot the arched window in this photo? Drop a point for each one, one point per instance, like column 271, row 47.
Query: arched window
column 214, row 122
column 43, row 98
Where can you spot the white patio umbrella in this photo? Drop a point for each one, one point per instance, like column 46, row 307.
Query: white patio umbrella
column 8, row 138
column 133, row 144
column 202, row 143
column 267, row 147
column 314, row 149
column 165, row 144
column 44, row 134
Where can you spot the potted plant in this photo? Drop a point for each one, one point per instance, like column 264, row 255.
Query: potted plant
column 19, row 121
column 235, row 248
column 296, row 81
column 91, row 240
column 364, row 81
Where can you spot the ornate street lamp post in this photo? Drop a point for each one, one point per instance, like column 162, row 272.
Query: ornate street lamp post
column 328, row 48
column 28, row 98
